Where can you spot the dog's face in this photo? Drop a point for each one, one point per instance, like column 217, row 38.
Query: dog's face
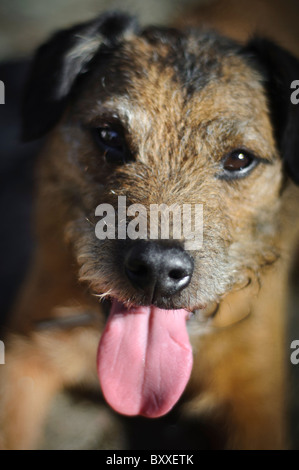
column 141, row 129
column 164, row 117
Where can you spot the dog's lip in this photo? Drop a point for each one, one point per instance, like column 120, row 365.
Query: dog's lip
column 206, row 312
column 202, row 309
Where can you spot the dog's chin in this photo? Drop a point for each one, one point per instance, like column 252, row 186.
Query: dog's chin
column 198, row 310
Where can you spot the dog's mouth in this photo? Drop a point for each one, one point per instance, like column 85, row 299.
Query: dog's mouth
column 144, row 359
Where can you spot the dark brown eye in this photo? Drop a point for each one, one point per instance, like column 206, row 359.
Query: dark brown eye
column 112, row 142
column 110, row 138
column 238, row 163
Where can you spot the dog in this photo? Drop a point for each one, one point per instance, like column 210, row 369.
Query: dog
column 168, row 116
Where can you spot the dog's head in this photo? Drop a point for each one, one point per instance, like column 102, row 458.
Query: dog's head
column 144, row 117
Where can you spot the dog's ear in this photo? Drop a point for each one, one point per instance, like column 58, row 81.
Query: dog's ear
column 59, row 64
column 280, row 69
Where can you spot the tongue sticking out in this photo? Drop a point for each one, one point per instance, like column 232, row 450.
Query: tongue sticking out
column 144, row 359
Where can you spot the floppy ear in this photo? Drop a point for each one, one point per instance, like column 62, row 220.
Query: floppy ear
column 59, row 64
column 280, row 69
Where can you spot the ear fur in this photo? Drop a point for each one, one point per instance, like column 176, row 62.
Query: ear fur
column 58, row 65
column 280, row 69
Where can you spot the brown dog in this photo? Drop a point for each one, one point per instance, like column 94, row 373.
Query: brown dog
column 160, row 116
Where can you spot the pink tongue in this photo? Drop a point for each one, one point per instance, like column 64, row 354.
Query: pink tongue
column 144, row 359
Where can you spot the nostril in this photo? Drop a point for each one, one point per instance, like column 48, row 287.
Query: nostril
column 137, row 268
column 177, row 274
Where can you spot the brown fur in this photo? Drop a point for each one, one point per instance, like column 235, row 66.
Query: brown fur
column 238, row 379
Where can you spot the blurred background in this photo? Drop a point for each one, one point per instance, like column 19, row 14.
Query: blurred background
column 25, row 23
column 80, row 420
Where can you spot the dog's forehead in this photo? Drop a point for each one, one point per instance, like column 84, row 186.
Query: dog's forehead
column 156, row 69
column 189, row 59
column 173, row 80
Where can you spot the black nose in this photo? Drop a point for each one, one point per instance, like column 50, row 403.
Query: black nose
column 157, row 269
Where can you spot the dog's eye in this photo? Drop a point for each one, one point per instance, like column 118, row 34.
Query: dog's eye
column 238, row 163
column 112, row 142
